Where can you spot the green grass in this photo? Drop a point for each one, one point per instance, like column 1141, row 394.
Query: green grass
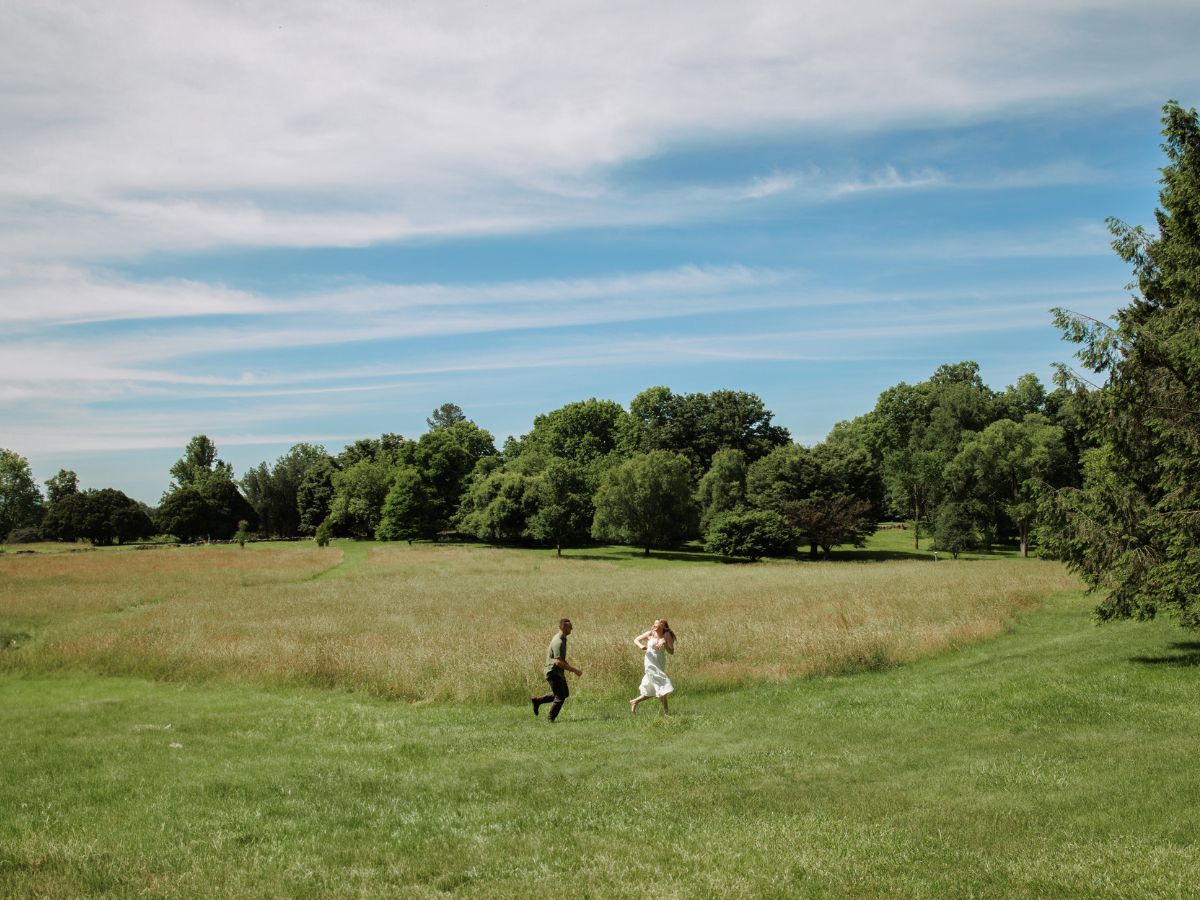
column 1055, row 760
column 892, row 542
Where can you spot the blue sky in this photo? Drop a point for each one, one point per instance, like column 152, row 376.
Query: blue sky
column 317, row 222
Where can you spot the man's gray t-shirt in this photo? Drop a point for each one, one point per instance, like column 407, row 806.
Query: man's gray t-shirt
column 557, row 650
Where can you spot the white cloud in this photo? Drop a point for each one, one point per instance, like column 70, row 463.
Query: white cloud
column 166, row 124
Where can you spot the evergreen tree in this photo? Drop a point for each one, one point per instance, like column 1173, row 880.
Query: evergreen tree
column 955, row 528
column 314, row 495
column 446, row 414
column 1133, row 528
column 275, row 492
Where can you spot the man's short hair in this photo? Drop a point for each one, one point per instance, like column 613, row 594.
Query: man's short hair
column 562, row 622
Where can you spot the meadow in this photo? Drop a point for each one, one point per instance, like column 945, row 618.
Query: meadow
column 468, row 623
column 881, row 727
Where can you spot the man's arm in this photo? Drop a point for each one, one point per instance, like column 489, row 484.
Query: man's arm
column 563, row 664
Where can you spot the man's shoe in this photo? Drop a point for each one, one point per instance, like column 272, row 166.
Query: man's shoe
column 536, row 704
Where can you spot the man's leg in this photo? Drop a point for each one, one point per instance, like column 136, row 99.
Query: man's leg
column 538, row 701
column 560, row 692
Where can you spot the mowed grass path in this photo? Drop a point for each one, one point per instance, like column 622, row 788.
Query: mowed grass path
column 1057, row 759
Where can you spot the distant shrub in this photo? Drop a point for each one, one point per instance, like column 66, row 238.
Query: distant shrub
column 324, row 533
column 24, row 535
column 751, row 533
column 954, row 529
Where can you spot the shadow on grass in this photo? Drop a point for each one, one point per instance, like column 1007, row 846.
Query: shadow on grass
column 694, row 553
column 870, row 555
column 863, row 555
column 1190, row 656
column 674, row 555
column 700, row 556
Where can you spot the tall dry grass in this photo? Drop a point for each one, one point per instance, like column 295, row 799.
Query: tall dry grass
column 443, row 623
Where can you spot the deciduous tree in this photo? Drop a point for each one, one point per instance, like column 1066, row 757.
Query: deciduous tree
column 409, row 510
column 358, row 496
column 564, row 505
column 500, row 500
column 751, row 533
column 110, row 516
column 646, row 501
column 199, row 462
column 61, row 485
column 446, row 456
column 580, row 431
column 20, row 499
column 1012, row 464
column 723, row 487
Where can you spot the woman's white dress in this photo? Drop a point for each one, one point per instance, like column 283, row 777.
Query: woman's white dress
column 655, row 682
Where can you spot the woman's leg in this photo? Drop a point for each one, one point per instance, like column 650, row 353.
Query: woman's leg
column 663, row 701
column 633, row 704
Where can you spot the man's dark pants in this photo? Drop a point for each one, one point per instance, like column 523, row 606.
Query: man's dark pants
column 559, row 692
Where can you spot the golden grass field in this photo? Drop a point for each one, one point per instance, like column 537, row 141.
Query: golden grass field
column 470, row 624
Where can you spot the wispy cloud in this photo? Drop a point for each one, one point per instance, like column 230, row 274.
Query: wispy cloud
column 1069, row 241
column 37, row 299
column 139, row 393
column 770, row 185
column 889, row 179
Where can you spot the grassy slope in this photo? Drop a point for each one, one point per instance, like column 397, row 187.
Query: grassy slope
column 1056, row 760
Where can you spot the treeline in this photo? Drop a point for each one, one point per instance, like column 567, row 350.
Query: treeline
column 948, row 454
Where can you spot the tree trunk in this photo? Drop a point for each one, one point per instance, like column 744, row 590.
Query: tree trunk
column 813, row 550
column 1025, row 542
column 646, row 552
column 558, row 547
column 916, row 525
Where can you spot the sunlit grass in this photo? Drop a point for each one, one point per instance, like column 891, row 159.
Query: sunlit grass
column 469, row 624
column 1054, row 761
column 1051, row 761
